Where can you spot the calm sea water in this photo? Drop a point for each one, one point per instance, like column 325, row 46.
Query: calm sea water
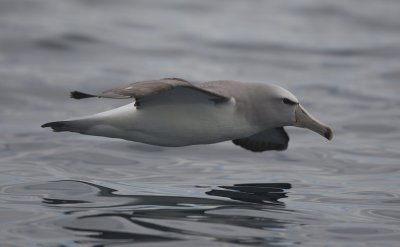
column 341, row 58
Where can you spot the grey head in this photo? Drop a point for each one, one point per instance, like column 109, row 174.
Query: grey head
column 270, row 108
column 277, row 107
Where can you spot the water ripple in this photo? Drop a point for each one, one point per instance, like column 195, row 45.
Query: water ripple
column 102, row 213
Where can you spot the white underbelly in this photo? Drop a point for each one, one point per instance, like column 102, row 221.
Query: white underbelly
column 175, row 124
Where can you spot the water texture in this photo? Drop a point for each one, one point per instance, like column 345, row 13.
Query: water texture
column 340, row 58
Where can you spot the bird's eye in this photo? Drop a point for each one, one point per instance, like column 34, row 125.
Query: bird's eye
column 288, row 101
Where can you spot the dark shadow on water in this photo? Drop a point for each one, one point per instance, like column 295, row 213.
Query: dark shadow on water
column 253, row 193
column 230, row 214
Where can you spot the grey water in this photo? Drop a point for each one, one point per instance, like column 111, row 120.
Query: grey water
column 340, row 58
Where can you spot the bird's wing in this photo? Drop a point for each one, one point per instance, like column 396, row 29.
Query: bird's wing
column 270, row 139
column 167, row 88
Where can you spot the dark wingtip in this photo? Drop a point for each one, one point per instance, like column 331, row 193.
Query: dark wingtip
column 80, row 95
column 56, row 126
column 45, row 125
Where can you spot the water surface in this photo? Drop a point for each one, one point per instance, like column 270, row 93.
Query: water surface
column 340, row 58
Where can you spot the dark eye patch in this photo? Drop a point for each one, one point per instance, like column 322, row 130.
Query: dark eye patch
column 288, row 101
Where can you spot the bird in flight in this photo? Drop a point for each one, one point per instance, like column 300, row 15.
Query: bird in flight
column 174, row 112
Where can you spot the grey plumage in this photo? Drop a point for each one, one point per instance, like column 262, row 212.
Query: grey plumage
column 176, row 112
column 143, row 89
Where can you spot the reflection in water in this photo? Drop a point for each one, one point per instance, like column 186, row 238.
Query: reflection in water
column 255, row 193
column 152, row 218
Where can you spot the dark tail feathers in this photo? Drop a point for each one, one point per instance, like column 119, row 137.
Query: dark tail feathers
column 81, row 95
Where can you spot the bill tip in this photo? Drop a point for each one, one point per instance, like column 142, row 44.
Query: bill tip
column 329, row 133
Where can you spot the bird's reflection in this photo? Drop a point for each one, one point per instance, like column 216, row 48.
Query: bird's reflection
column 228, row 210
column 253, row 193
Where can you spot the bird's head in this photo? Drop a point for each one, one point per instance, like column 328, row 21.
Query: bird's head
column 288, row 111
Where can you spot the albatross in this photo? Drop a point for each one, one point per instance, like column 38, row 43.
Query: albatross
column 174, row 112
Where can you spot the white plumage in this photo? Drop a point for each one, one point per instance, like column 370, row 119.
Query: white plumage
column 173, row 112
